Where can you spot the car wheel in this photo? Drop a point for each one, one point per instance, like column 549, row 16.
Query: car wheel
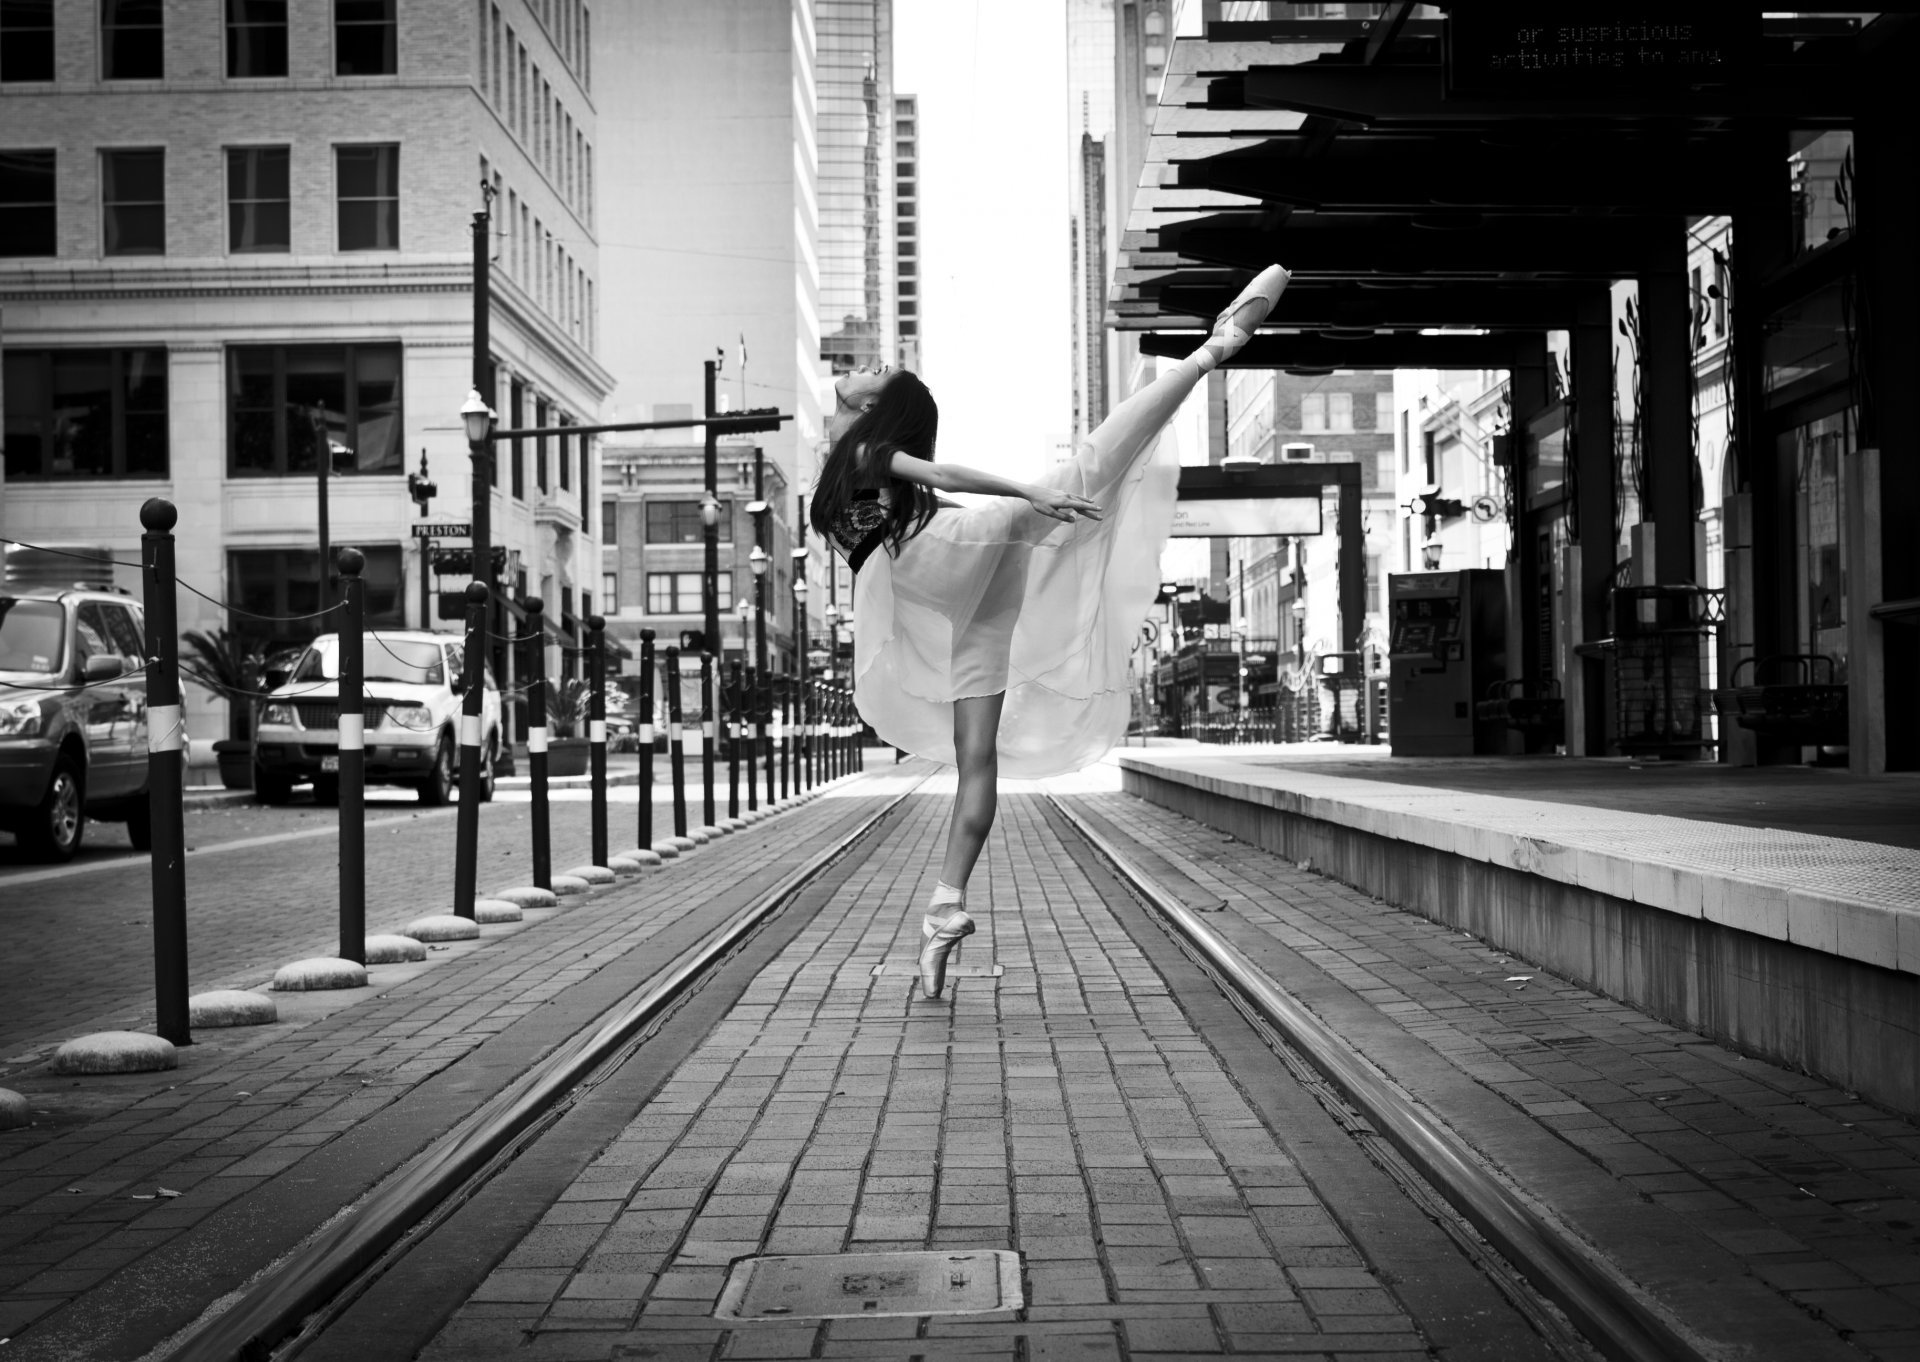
column 326, row 791
column 438, row 786
column 59, row 822
column 271, row 787
column 140, row 824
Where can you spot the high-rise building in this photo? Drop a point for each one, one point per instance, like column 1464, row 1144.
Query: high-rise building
column 235, row 241
column 1143, row 36
column 853, row 42
column 710, row 174
column 1090, row 100
column 906, row 227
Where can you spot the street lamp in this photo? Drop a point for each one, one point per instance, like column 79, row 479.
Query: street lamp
column 1240, row 654
column 476, row 416
column 1299, row 612
column 709, row 510
column 1430, row 555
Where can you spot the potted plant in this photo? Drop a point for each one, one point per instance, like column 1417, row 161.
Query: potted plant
column 566, row 712
column 229, row 666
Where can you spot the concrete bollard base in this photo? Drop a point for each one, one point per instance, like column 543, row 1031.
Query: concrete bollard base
column 566, row 886
column 592, row 874
column 684, row 843
column 442, row 927
column 648, row 859
column 710, row 831
column 231, row 1007
column 115, row 1052
column 698, row 836
column 735, row 824
column 624, row 865
column 666, row 850
column 306, row 976
column 394, row 950
column 527, row 896
column 14, row 1111
column 491, row 911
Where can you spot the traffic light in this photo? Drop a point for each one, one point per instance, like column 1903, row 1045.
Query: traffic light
column 1433, row 504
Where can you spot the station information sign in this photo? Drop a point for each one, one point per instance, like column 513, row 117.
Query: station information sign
column 1206, row 518
column 1588, row 51
column 442, row 529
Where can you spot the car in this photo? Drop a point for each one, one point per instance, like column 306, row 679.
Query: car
column 73, row 717
column 414, row 697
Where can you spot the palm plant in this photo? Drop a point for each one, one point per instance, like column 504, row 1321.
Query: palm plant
column 566, row 706
column 229, row 666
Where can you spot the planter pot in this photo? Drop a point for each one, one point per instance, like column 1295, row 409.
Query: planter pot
column 235, row 756
column 567, row 756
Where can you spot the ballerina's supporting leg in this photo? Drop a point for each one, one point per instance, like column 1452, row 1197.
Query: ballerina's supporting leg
column 976, row 736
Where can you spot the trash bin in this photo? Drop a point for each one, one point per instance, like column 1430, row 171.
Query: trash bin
column 1659, row 651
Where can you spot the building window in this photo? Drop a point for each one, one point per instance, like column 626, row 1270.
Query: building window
column 678, row 593
column 256, row 38
column 678, row 522
column 86, row 413
column 540, row 444
column 26, row 40
column 1383, row 413
column 565, row 452
column 131, row 40
column 609, row 522
column 366, row 40
column 284, row 583
column 1326, row 413
column 369, row 187
column 610, row 592
column 287, row 403
column 27, row 222
column 133, row 198
column 516, row 414
column 259, row 200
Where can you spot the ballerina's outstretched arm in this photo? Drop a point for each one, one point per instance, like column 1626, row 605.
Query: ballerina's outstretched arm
column 954, row 477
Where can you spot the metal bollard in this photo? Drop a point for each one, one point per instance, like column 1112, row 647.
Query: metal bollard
column 783, row 728
column 597, row 733
column 709, row 749
column 730, row 711
column 534, row 664
column 166, row 812
column 352, row 721
column 676, row 749
column 763, row 738
column 646, row 741
column 858, row 748
column 467, row 819
column 746, row 736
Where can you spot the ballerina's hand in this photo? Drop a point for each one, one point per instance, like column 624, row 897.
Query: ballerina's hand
column 1065, row 506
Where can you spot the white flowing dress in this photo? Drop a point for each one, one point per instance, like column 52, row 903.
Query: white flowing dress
column 997, row 597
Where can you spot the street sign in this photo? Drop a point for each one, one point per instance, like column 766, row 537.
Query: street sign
column 1248, row 516
column 442, row 529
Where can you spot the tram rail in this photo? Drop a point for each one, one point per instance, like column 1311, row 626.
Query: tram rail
column 293, row 1301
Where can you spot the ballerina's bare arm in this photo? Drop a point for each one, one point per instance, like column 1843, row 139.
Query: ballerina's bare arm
column 954, row 477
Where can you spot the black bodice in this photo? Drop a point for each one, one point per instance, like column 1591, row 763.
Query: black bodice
column 861, row 527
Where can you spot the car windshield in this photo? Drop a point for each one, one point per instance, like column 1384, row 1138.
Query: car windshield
column 32, row 635
column 411, row 661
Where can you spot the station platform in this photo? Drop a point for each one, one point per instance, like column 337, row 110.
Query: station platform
column 1168, row 1176
column 1775, row 910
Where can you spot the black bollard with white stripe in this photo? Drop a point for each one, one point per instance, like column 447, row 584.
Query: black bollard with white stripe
column 534, row 664
column 466, row 852
column 709, row 748
column 352, row 721
column 645, row 830
column 676, row 749
column 597, row 733
column 166, row 811
column 730, row 716
column 783, row 722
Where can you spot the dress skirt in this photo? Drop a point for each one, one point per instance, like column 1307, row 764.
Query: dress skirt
column 997, row 597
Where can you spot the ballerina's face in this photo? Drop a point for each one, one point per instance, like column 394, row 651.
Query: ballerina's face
column 853, row 393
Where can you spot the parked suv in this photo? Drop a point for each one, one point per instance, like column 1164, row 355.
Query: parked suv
column 413, row 705
column 73, row 718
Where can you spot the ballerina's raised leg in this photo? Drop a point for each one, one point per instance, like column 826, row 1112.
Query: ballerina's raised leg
column 1127, row 432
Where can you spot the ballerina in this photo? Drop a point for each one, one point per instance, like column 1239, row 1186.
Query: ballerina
column 994, row 637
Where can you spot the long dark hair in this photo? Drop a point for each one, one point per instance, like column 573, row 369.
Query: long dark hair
column 903, row 419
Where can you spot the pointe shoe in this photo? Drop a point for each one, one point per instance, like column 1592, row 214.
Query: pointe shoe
column 941, row 941
column 1231, row 329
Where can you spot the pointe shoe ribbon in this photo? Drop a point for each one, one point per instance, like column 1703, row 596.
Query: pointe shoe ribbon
column 1230, row 330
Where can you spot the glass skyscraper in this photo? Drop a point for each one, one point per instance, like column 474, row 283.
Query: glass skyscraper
column 853, row 66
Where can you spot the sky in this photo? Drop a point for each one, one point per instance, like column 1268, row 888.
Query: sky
column 996, row 335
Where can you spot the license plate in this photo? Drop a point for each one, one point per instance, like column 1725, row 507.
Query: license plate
column 329, row 763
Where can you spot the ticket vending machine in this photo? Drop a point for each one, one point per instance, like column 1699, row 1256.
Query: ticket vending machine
column 1447, row 644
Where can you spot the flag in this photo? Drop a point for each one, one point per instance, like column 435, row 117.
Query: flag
column 743, row 350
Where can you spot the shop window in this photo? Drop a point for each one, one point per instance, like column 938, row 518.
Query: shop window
column 286, row 582
column 132, row 40
column 26, row 41
column 678, row 522
column 86, row 413
column 368, row 184
column 366, row 40
column 678, row 593
column 133, row 201
column 259, row 200
column 286, row 404
column 256, row 39
column 27, row 215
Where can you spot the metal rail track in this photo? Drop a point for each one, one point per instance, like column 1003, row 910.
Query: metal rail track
column 1605, row 1307
column 335, row 1264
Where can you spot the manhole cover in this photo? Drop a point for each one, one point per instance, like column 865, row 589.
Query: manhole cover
column 839, row 1285
column 953, row 971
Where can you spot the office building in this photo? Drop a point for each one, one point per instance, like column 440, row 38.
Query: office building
column 906, row 229
column 854, row 84
column 207, row 294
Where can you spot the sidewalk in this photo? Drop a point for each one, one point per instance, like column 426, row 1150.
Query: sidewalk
column 266, row 1132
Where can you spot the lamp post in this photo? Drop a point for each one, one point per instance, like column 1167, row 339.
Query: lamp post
column 1240, row 657
column 327, row 449
column 1430, row 555
column 710, row 517
column 832, row 616
column 422, row 489
column 757, row 560
column 800, row 706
